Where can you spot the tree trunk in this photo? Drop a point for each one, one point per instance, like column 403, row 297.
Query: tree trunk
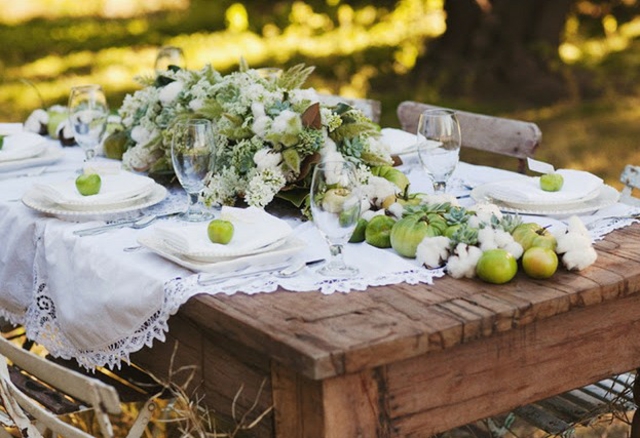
column 500, row 48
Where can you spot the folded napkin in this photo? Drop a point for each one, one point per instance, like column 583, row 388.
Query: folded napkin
column 115, row 188
column 578, row 185
column 21, row 145
column 10, row 128
column 254, row 230
column 399, row 141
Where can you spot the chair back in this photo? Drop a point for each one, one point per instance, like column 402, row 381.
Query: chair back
column 499, row 135
column 630, row 177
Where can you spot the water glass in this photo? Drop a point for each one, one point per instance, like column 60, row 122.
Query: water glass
column 168, row 56
column 438, row 145
column 88, row 113
column 335, row 205
column 192, row 151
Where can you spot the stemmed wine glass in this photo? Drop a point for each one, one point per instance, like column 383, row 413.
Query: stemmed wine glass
column 192, row 157
column 439, row 145
column 168, row 56
column 88, row 113
column 335, row 205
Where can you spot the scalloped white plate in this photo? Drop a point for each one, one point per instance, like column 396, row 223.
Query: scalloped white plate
column 34, row 200
column 290, row 247
column 50, row 155
column 496, row 190
column 606, row 196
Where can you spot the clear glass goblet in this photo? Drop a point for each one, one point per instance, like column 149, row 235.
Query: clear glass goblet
column 439, row 145
column 192, row 151
column 335, row 205
column 88, row 113
column 168, row 56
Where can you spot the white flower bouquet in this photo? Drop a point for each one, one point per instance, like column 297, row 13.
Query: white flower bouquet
column 269, row 132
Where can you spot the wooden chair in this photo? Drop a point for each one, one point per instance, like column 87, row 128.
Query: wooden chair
column 510, row 137
column 23, row 410
column 370, row 108
column 630, row 177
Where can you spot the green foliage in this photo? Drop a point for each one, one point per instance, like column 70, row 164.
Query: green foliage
column 295, row 77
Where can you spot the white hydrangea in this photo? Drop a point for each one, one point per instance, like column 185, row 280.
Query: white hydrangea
column 138, row 158
column 263, row 186
column 170, row 92
column 266, row 158
column 299, row 96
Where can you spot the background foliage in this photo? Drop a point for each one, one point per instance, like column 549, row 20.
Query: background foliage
column 359, row 48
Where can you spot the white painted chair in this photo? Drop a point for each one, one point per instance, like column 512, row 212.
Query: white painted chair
column 33, row 419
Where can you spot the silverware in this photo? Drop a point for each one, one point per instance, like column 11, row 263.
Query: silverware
column 294, row 270
column 205, row 279
column 136, row 224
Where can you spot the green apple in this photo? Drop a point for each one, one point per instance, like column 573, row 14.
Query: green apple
column 496, row 266
column 220, row 231
column 539, row 262
column 358, row 233
column 551, row 182
column 55, row 119
column 531, row 234
column 378, row 231
column 88, row 184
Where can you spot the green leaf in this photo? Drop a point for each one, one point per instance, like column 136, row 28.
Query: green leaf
column 295, row 77
column 292, row 159
column 296, row 196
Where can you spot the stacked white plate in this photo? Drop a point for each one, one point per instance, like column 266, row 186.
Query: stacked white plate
column 259, row 238
column 121, row 192
column 581, row 193
column 26, row 149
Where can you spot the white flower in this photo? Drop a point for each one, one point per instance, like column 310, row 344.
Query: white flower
column 36, row 120
column 170, row 92
column 141, row 135
column 463, row 263
column 196, row 104
column 579, row 260
column 433, row 251
column 483, row 213
column 138, row 158
column 266, row 158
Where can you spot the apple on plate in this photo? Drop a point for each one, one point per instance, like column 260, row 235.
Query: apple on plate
column 551, row 182
column 88, row 184
column 220, row 231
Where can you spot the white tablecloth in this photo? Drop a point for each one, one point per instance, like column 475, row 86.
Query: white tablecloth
column 86, row 298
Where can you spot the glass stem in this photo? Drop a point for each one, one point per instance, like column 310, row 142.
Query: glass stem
column 337, row 259
column 193, row 201
column 89, row 154
column 439, row 187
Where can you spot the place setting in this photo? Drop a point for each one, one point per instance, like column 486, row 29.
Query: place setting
column 561, row 192
column 21, row 149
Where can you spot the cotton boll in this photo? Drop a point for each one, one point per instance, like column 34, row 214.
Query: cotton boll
column 486, row 238
column 396, row 209
column 369, row 214
column 484, row 212
column 514, row 248
column 572, row 241
column 433, row 251
column 464, row 263
column 170, row 92
column 37, row 122
column 575, row 225
column 579, row 259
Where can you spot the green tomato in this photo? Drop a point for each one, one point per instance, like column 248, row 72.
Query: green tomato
column 392, row 174
column 551, row 182
column 539, row 262
column 378, row 231
column 220, row 231
column 409, row 231
column 88, row 184
column 496, row 266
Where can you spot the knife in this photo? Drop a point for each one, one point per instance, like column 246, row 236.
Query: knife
column 205, row 279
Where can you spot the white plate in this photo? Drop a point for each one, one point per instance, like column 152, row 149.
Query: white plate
column 22, row 153
column 496, row 191
column 605, row 197
column 34, row 200
column 50, row 155
column 290, row 247
column 207, row 258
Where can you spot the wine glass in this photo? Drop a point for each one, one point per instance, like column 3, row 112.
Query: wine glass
column 168, row 56
column 438, row 145
column 335, row 205
column 192, row 158
column 88, row 113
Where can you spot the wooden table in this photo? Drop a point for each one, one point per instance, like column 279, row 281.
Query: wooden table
column 411, row 360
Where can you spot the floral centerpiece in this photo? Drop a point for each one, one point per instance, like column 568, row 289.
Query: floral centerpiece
column 269, row 132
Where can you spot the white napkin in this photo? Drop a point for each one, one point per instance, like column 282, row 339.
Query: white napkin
column 115, row 188
column 399, row 141
column 577, row 185
column 22, row 145
column 10, row 128
column 254, row 229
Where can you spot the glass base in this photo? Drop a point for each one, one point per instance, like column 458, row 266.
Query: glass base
column 196, row 216
column 339, row 271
